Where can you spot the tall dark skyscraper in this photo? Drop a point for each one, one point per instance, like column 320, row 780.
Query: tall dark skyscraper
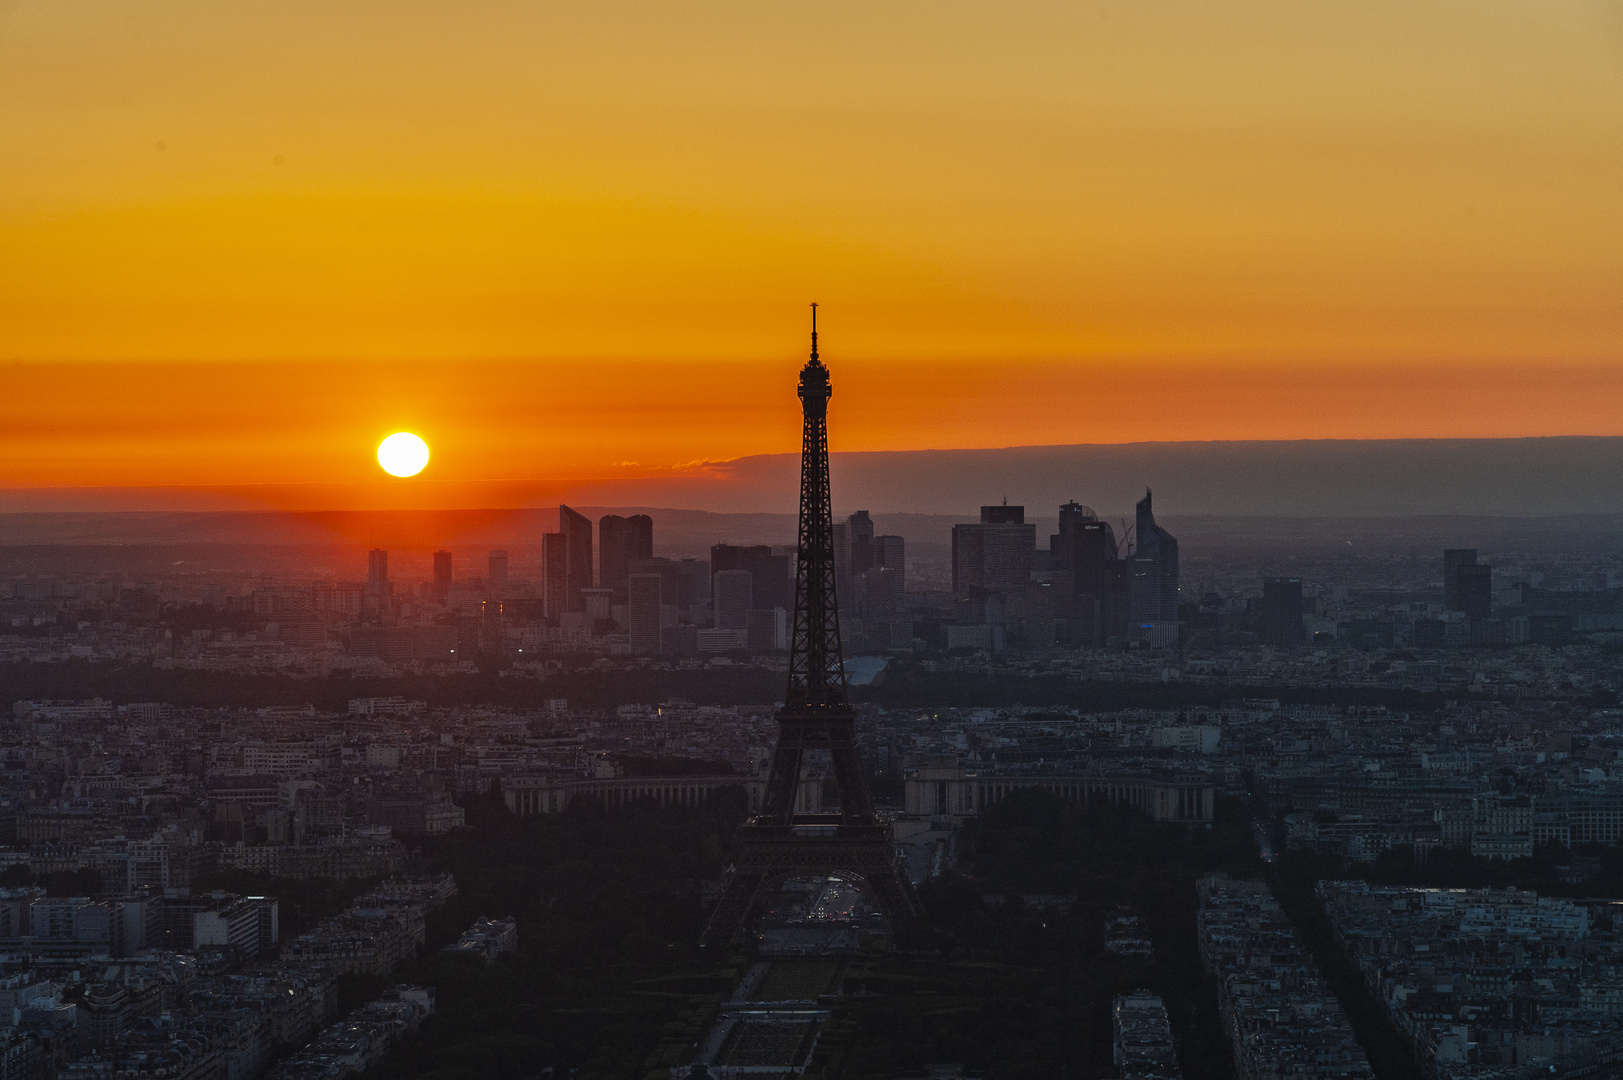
column 732, row 600
column 566, row 563
column 1089, row 564
column 769, row 573
column 859, row 534
column 1467, row 584
column 816, row 716
column 377, row 568
column 1152, row 571
column 1279, row 615
column 442, row 575
column 890, row 552
column 622, row 541
column 497, row 568
column 646, row 600
column 995, row 555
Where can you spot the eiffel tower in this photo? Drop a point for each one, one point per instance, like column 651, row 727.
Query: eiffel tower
column 817, row 715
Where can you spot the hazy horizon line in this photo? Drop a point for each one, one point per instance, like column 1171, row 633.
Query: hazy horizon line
column 1521, row 476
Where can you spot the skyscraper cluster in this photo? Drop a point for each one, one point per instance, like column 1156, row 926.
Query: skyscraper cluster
column 1089, row 587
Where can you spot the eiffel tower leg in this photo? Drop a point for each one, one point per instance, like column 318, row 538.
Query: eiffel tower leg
column 891, row 891
column 783, row 783
column 738, row 895
column 855, row 801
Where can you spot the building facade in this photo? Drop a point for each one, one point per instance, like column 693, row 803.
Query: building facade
column 566, row 558
column 994, row 554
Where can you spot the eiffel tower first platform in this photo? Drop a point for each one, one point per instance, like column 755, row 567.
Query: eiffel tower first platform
column 817, row 715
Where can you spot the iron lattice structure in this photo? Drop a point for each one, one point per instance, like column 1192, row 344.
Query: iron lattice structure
column 778, row 843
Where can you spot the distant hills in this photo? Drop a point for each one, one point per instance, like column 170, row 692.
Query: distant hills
column 1329, row 478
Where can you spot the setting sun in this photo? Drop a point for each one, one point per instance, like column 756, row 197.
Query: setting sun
column 403, row 454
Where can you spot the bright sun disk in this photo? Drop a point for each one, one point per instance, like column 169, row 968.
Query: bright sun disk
column 402, row 454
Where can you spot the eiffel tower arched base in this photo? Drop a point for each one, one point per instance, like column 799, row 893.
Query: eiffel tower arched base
column 772, row 854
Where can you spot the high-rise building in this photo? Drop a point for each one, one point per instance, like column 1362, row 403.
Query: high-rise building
column 497, row 574
column 995, row 555
column 1089, row 568
column 442, row 574
column 1453, row 559
column 1279, row 615
column 731, row 599
column 1467, row 584
column 684, row 587
column 377, row 568
column 842, row 562
column 879, row 585
column 768, row 572
column 646, row 610
column 877, row 580
column 692, row 583
column 621, row 541
column 566, row 563
column 1152, row 572
column 554, row 575
column 670, row 575
column 859, row 534
column 891, row 553
column 767, row 631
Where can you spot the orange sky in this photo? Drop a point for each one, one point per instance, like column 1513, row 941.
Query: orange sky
column 239, row 243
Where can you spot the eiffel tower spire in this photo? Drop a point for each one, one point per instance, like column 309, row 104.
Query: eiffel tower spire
column 779, row 843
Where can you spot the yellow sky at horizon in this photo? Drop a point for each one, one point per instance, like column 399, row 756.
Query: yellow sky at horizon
column 1360, row 198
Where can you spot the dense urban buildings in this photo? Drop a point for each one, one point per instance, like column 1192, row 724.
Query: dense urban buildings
column 1144, row 1048
column 1488, row 981
column 1360, row 711
column 1280, row 1017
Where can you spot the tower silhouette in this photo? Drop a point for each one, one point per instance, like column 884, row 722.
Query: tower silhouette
column 816, row 715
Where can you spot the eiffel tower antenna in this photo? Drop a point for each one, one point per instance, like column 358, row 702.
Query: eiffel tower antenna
column 779, row 843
